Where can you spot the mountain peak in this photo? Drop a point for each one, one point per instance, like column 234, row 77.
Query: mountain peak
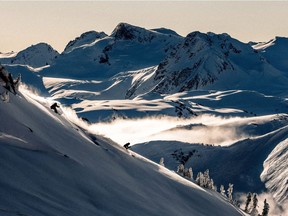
column 37, row 55
column 166, row 31
column 85, row 38
column 39, row 46
column 210, row 37
column 125, row 31
column 275, row 52
column 200, row 59
column 196, row 34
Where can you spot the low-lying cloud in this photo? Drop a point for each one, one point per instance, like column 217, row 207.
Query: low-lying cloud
column 205, row 129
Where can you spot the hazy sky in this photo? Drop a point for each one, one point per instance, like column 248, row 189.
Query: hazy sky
column 24, row 23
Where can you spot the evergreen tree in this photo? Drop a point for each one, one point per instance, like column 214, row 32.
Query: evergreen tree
column 190, row 173
column 162, row 162
column 230, row 192
column 265, row 208
column 180, row 169
column 222, row 191
column 215, row 188
column 202, row 180
column 255, row 201
column 211, row 185
column 198, row 179
column 254, row 211
column 248, row 200
column 185, row 173
column 206, row 179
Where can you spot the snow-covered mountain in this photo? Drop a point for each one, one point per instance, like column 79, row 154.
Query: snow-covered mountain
column 50, row 165
column 127, row 48
column 173, row 92
column 198, row 61
column 275, row 51
column 212, row 61
column 35, row 56
column 84, row 39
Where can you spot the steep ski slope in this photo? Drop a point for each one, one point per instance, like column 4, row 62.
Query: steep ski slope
column 49, row 166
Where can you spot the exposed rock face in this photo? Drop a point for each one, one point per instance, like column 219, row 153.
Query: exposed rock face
column 199, row 60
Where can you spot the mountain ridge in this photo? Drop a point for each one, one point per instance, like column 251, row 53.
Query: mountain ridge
column 38, row 55
column 198, row 60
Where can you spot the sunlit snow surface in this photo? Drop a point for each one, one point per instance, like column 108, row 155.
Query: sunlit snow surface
column 51, row 166
column 208, row 117
column 231, row 112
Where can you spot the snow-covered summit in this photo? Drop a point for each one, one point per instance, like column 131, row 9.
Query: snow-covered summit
column 84, row 39
column 213, row 61
column 125, row 31
column 276, row 52
column 127, row 48
column 166, row 31
column 35, row 56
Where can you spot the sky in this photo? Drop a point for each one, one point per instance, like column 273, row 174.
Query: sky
column 25, row 23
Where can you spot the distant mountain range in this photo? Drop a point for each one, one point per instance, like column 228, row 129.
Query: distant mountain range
column 197, row 61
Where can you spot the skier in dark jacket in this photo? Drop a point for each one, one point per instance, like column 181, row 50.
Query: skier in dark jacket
column 126, row 146
column 54, row 107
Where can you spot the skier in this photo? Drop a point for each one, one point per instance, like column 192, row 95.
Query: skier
column 126, row 146
column 54, row 107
